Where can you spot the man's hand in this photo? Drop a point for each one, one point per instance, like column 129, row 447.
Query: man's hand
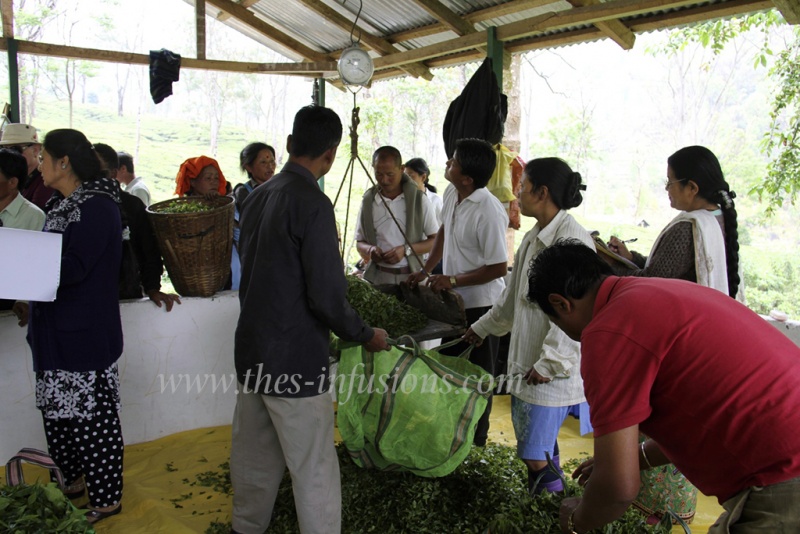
column 439, row 282
column 378, row 341
column 584, row 471
column 471, row 337
column 20, row 309
column 568, row 506
column 167, row 298
column 375, row 254
column 534, row 378
column 394, row 255
column 414, row 279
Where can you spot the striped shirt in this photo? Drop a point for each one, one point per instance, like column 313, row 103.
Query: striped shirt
column 535, row 342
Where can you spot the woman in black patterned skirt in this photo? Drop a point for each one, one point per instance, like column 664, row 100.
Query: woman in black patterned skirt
column 77, row 339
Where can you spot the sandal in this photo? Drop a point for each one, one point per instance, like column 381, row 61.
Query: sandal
column 94, row 515
column 74, row 491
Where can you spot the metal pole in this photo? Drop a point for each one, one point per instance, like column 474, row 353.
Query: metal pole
column 318, row 98
column 494, row 50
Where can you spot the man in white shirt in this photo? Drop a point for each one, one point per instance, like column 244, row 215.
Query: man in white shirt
column 396, row 224
column 133, row 184
column 472, row 244
column 16, row 211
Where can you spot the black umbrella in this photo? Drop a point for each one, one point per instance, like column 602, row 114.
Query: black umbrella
column 165, row 68
column 479, row 112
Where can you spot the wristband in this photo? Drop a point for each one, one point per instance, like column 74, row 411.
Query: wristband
column 571, row 523
column 644, row 455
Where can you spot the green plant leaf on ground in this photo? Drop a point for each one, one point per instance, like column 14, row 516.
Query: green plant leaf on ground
column 488, row 491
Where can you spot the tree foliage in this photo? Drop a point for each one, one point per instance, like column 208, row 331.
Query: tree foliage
column 780, row 142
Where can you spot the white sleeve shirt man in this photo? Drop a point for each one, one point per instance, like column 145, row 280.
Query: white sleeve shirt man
column 474, row 236
column 139, row 189
column 22, row 215
column 387, row 231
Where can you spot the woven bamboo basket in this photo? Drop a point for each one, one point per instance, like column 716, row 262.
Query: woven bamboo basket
column 196, row 247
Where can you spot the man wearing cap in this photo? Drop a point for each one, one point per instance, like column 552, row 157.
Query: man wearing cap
column 24, row 139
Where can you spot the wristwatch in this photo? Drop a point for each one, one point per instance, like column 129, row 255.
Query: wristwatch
column 453, row 281
column 409, row 251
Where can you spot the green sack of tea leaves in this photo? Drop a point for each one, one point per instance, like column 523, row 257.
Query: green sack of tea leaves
column 409, row 409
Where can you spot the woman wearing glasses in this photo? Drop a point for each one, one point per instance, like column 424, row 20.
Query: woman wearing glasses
column 700, row 245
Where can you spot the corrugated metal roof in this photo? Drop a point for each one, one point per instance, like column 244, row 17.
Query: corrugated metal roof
column 388, row 18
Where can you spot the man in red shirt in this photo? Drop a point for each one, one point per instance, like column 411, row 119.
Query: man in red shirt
column 714, row 387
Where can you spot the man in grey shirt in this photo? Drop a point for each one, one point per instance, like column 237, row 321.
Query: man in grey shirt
column 292, row 294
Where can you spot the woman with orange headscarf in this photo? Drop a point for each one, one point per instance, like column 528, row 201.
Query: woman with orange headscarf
column 200, row 176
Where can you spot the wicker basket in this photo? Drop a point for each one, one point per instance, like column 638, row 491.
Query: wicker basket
column 196, row 247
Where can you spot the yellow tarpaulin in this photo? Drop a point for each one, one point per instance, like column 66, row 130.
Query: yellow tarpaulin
column 158, row 497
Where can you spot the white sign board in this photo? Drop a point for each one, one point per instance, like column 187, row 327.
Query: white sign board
column 30, row 263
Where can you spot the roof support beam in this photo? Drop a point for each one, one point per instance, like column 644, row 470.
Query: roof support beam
column 455, row 23
column 481, row 15
column 313, row 69
column 379, row 45
column 200, row 27
column 444, row 15
column 7, row 11
column 790, row 9
column 248, row 17
column 614, row 29
column 244, row 3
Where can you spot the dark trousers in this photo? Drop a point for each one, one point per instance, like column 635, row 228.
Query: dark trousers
column 486, row 357
column 91, row 448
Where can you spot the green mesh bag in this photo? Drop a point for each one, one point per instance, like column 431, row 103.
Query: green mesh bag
column 409, row 409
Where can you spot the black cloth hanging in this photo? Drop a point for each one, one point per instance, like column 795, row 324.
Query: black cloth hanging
column 479, row 112
column 165, row 67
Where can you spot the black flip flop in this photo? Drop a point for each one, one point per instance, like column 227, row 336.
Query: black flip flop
column 93, row 516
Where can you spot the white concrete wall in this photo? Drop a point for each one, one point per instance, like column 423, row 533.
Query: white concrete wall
column 195, row 339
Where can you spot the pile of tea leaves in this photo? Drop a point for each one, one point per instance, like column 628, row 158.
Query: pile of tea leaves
column 184, row 206
column 380, row 310
column 489, row 490
column 30, row 508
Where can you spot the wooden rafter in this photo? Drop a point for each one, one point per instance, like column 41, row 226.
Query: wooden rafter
column 244, row 3
column 515, row 6
column 644, row 24
column 444, row 15
column 200, row 27
column 7, row 11
column 247, row 17
column 455, row 23
column 790, row 9
column 381, row 46
column 614, row 29
column 315, row 69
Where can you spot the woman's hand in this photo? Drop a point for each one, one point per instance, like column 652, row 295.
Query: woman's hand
column 534, row 378
column 471, row 337
column 20, row 309
column 584, row 471
column 618, row 246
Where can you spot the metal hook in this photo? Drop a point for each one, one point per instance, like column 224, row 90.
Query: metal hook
column 353, row 29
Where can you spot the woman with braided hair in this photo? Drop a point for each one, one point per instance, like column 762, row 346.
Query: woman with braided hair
column 700, row 245
column 704, row 237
